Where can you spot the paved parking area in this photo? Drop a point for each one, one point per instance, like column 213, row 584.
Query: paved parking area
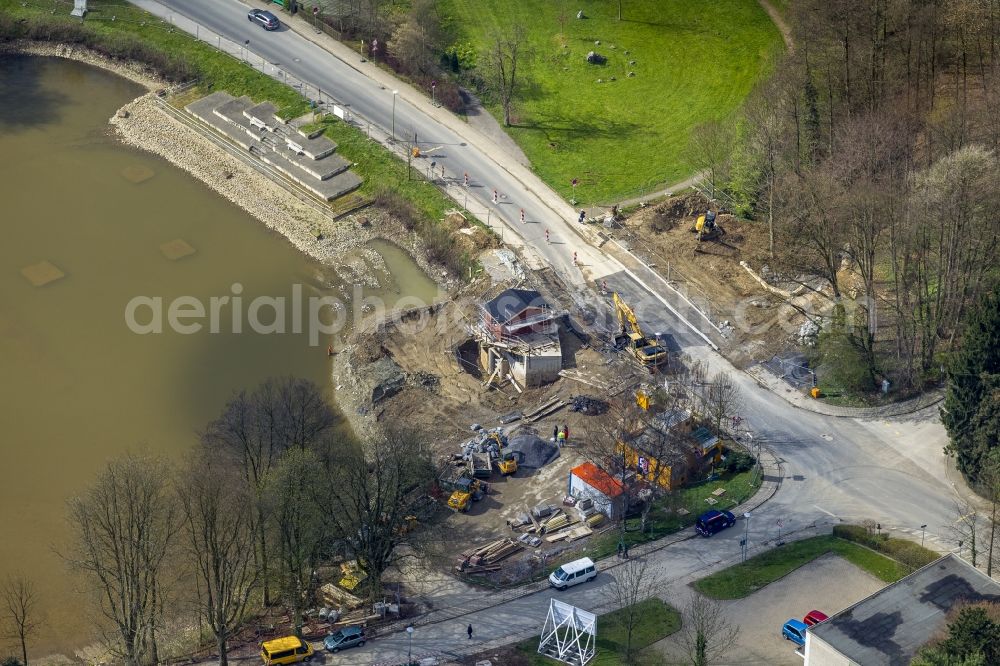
column 828, row 583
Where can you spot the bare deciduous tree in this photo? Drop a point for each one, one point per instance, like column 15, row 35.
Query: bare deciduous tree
column 722, row 400
column 968, row 528
column 506, row 54
column 221, row 529
column 292, row 494
column 707, row 634
column 630, row 585
column 711, row 147
column 123, row 527
column 256, row 428
column 374, row 487
column 20, row 603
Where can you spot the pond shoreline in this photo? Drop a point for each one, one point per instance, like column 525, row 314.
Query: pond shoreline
column 141, row 124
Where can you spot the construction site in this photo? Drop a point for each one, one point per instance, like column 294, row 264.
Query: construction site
column 516, row 380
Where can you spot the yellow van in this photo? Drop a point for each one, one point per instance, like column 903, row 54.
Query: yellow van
column 287, row 650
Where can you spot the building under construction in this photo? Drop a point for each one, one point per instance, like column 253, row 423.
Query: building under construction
column 518, row 337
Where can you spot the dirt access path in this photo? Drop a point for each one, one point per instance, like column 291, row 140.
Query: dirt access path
column 779, row 22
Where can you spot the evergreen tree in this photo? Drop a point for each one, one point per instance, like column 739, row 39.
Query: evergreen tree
column 971, row 406
column 972, row 633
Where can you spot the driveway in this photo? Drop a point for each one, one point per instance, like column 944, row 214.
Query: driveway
column 829, row 583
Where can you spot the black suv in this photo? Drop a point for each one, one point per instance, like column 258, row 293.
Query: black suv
column 265, row 18
column 713, row 521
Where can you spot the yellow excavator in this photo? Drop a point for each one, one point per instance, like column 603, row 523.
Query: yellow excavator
column 647, row 352
column 507, row 463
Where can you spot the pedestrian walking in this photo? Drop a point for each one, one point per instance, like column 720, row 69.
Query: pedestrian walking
column 466, row 178
column 496, row 197
column 555, row 433
column 560, row 439
column 469, row 630
column 626, row 551
column 566, row 431
column 604, row 286
column 522, row 216
column 621, row 549
column 547, row 236
column 574, row 258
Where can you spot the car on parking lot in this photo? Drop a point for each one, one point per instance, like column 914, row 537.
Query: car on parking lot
column 714, row 521
column 344, row 638
column 795, row 631
column 815, row 617
column 264, row 18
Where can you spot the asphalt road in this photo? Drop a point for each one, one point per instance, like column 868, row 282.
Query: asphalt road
column 835, row 468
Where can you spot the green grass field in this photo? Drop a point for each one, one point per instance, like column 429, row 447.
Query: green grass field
column 694, row 62
column 657, row 621
column 743, row 579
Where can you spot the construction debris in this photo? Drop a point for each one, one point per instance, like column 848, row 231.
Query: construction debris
column 588, row 405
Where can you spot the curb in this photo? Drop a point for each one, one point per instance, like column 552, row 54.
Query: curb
column 919, row 403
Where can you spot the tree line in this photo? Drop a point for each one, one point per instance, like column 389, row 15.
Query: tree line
column 271, row 491
column 870, row 154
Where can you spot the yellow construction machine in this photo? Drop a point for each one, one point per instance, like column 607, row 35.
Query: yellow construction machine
column 706, row 228
column 647, row 352
column 507, row 463
column 466, row 491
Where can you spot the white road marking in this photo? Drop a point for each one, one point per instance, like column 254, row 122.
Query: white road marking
column 832, row 515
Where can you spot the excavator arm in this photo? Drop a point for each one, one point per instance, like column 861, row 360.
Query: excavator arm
column 626, row 316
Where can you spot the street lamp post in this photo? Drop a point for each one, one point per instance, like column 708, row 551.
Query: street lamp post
column 246, row 47
column 923, row 530
column 395, row 93
column 409, row 648
column 746, row 536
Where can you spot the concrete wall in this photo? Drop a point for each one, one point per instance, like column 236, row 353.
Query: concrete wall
column 612, row 508
column 543, row 369
column 820, row 653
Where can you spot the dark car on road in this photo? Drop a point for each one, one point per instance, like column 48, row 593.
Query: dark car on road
column 344, row 638
column 265, row 18
column 714, row 521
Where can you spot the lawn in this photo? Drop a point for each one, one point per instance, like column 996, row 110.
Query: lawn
column 657, row 621
column 664, row 519
column 743, row 579
column 694, row 62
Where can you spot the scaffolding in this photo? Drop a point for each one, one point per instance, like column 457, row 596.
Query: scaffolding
column 569, row 634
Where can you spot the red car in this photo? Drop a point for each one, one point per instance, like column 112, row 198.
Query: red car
column 815, row 617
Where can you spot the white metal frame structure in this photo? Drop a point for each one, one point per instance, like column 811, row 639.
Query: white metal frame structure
column 569, row 634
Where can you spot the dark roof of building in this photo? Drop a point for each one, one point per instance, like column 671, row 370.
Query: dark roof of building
column 512, row 302
column 890, row 626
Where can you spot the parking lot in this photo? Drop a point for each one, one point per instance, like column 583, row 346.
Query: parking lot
column 828, row 584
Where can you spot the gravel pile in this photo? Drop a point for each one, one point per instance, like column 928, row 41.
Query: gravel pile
column 534, row 451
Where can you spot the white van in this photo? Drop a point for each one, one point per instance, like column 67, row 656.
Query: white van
column 573, row 573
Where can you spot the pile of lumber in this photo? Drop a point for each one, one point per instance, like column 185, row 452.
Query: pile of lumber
column 487, row 558
column 595, row 520
column 335, row 597
column 556, row 523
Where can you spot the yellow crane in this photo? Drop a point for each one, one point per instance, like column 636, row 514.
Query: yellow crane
column 647, row 352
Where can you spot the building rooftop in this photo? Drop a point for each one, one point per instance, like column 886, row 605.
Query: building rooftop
column 595, row 477
column 890, row 626
column 511, row 302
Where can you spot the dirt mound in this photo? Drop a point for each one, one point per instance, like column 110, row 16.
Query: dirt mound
column 532, row 450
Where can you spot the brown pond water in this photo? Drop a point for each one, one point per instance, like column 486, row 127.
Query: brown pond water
column 77, row 387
